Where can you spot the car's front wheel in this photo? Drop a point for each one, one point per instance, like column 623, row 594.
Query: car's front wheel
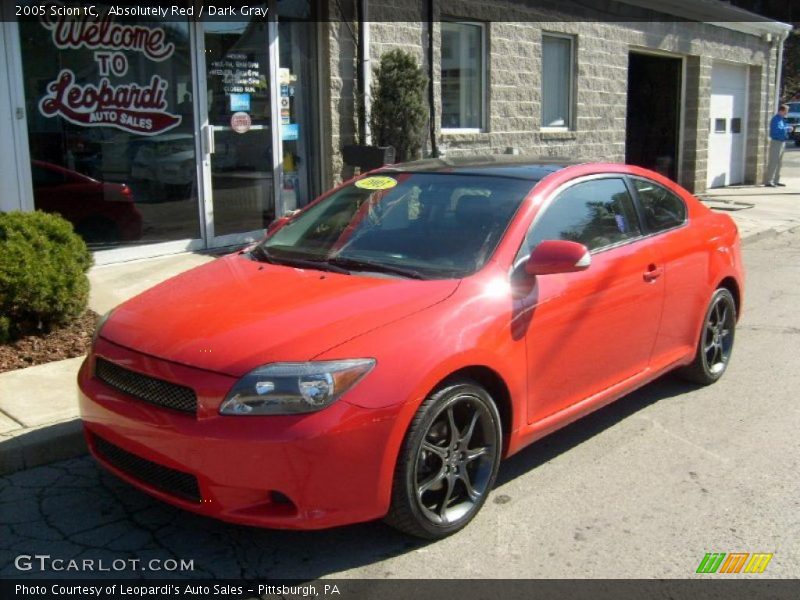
column 716, row 340
column 448, row 462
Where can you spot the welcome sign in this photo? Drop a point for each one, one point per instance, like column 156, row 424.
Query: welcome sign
column 133, row 107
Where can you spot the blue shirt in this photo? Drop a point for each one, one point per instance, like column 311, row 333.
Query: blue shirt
column 779, row 129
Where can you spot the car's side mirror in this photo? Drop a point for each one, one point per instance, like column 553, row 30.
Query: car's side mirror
column 558, row 256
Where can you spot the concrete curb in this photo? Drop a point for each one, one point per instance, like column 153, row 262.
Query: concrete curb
column 41, row 446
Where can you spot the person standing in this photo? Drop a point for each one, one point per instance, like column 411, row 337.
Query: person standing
column 779, row 132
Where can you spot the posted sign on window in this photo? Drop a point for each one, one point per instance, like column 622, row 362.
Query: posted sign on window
column 139, row 107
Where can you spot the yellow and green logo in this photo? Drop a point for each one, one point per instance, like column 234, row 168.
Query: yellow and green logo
column 736, row 562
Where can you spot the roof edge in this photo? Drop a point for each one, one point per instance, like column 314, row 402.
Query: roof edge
column 718, row 14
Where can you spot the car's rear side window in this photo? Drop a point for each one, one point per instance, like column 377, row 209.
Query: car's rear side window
column 662, row 209
column 596, row 213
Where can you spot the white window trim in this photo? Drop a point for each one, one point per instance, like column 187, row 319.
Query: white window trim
column 458, row 130
column 484, row 81
column 570, row 126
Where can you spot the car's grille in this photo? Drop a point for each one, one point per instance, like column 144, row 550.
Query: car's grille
column 149, row 389
column 171, row 481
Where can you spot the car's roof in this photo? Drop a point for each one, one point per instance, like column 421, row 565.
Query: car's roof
column 499, row 165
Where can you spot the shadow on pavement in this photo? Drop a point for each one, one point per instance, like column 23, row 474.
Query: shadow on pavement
column 586, row 428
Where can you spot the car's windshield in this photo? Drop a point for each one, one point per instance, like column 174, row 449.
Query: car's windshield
column 794, row 107
column 428, row 225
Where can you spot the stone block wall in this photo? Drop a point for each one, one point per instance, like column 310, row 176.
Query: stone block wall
column 514, row 40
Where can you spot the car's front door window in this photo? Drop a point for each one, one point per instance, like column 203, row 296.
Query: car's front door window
column 596, row 213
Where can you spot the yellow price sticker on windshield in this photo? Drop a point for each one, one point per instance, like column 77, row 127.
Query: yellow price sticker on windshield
column 376, row 183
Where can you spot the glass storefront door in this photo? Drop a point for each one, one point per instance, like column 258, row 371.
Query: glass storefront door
column 257, row 118
column 238, row 129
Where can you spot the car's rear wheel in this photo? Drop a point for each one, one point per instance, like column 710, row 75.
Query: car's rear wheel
column 716, row 340
column 448, row 462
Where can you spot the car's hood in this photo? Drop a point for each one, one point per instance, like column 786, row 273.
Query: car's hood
column 234, row 314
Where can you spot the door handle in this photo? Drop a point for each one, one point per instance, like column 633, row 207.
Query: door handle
column 208, row 139
column 653, row 272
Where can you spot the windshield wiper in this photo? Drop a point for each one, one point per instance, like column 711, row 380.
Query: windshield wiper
column 260, row 253
column 365, row 265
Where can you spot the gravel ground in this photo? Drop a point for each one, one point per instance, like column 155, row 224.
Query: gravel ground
column 69, row 341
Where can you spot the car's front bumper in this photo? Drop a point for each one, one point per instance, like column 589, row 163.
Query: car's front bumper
column 300, row 471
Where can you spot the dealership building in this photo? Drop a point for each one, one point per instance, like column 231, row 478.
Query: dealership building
column 157, row 132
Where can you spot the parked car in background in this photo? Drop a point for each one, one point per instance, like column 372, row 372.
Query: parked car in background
column 793, row 118
column 167, row 164
column 101, row 212
column 381, row 350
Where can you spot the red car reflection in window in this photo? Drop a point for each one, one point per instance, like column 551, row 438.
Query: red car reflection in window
column 101, row 212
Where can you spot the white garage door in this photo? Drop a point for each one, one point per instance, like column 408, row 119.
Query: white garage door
column 727, row 128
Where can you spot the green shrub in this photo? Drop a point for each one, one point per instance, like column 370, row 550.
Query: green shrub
column 399, row 111
column 43, row 265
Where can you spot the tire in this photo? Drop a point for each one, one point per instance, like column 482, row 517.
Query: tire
column 452, row 450
column 716, row 340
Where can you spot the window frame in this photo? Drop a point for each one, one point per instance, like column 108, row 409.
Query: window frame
column 521, row 256
column 484, row 78
column 571, row 104
column 647, row 231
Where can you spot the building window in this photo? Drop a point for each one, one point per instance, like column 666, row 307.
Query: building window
column 463, row 76
column 557, row 64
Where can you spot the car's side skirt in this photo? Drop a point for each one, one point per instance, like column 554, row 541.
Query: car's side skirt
column 543, row 427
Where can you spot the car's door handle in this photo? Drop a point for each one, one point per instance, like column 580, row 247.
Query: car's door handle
column 653, row 272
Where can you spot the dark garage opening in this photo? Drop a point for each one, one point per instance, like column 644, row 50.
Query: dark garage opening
column 654, row 95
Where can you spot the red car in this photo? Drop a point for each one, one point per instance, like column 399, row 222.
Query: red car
column 101, row 212
column 380, row 352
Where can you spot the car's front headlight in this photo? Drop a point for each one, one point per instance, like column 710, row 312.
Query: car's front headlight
column 294, row 388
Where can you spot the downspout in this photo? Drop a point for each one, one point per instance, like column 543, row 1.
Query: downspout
column 431, row 105
column 364, row 73
column 779, row 69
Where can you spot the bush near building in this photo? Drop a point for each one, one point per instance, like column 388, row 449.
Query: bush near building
column 43, row 265
column 399, row 111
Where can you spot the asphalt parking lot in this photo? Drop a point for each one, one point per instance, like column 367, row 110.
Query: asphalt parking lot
column 641, row 489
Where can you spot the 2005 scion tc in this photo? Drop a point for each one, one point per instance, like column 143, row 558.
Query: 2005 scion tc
column 380, row 352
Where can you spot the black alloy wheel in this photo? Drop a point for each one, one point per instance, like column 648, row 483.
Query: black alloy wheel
column 448, row 462
column 716, row 340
